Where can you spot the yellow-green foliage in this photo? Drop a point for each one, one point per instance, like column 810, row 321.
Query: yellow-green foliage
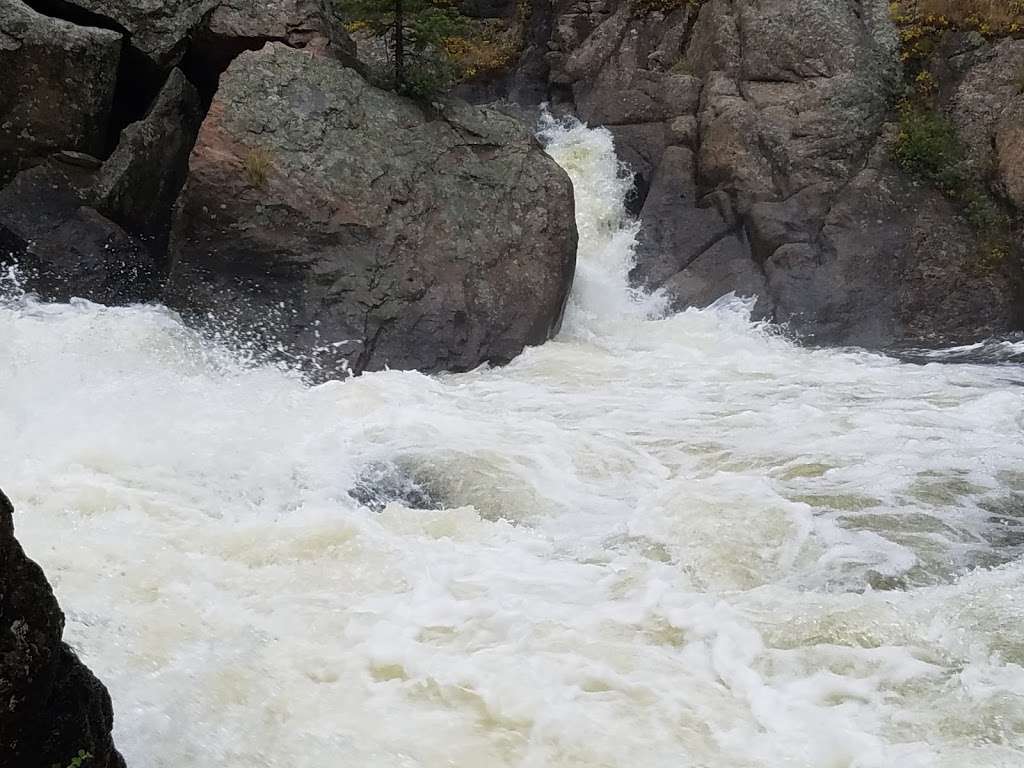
column 77, row 761
column 922, row 21
column 257, row 166
column 485, row 48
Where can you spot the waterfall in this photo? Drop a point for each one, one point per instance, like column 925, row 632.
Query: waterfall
column 660, row 540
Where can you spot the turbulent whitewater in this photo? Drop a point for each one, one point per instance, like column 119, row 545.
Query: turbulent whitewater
column 656, row 541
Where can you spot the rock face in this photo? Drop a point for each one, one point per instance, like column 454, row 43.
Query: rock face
column 98, row 231
column 157, row 29
column 63, row 247
column 53, row 706
column 57, row 86
column 759, row 134
column 139, row 184
column 161, row 32
column 331, row 215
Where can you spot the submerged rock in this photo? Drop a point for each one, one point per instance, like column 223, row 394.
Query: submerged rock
column 382, row 483
column 53, row 708
column 345, row 221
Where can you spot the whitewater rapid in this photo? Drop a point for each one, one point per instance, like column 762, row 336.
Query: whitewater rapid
column 664, row 541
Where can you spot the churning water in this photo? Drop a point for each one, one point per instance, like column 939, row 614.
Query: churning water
column 657, row 541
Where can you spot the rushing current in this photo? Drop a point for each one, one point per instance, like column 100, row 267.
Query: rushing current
column 657, row 541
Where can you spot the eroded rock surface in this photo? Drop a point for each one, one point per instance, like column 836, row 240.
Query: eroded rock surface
column 56, row 86
column 52, row 705
column 331, row 216
column 760, row 135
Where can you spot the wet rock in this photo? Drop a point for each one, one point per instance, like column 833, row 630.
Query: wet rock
column 158, row 30
column 140, row 182
column 53, row 706
column 893, row 261
column 383, row 483
column 366, row 229
column 1009, row 143
column 765, row 167
column 677, row 227
column 987, row 92
column 726, row 262
column 57, row 86
column 63, row 247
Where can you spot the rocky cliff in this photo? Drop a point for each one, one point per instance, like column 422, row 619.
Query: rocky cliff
column 766, row 139
column 53, row 709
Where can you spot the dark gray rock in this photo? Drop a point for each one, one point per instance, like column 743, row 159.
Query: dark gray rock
column 298, row 23
column 56, row 89
column 63, row 247
column 758, row 132
column 1009, row 143
column 796, row 219
column 53, row 706
column 158, row 30
column 676, row 227
column 343, row 219
column 894, row 261
column 488, row 9
column 988, row 90
column 726, row 264
column 140, row 182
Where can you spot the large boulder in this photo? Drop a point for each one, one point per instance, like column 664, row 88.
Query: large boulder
column 57, row 86
column 53, row 708
column 337, row 218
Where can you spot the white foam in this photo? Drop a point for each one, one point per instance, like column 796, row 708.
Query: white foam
column 670, row 540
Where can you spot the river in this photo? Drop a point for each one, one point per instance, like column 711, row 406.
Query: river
column 657, row 541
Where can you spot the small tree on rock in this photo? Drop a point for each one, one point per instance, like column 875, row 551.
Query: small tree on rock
column 414, row 32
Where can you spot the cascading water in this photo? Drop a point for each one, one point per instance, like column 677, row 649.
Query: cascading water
column 662, row 540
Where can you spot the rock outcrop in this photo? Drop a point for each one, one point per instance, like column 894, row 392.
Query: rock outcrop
column 760, row 133
column 57, row 86
column 139, row 183
column 63, row 247
column 52, row 706
column 337, row 217
column 75, row 227
column 161, row 32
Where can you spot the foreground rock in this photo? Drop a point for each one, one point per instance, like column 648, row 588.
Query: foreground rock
column 57, row 86
column 53, row 707
column 337, row 219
